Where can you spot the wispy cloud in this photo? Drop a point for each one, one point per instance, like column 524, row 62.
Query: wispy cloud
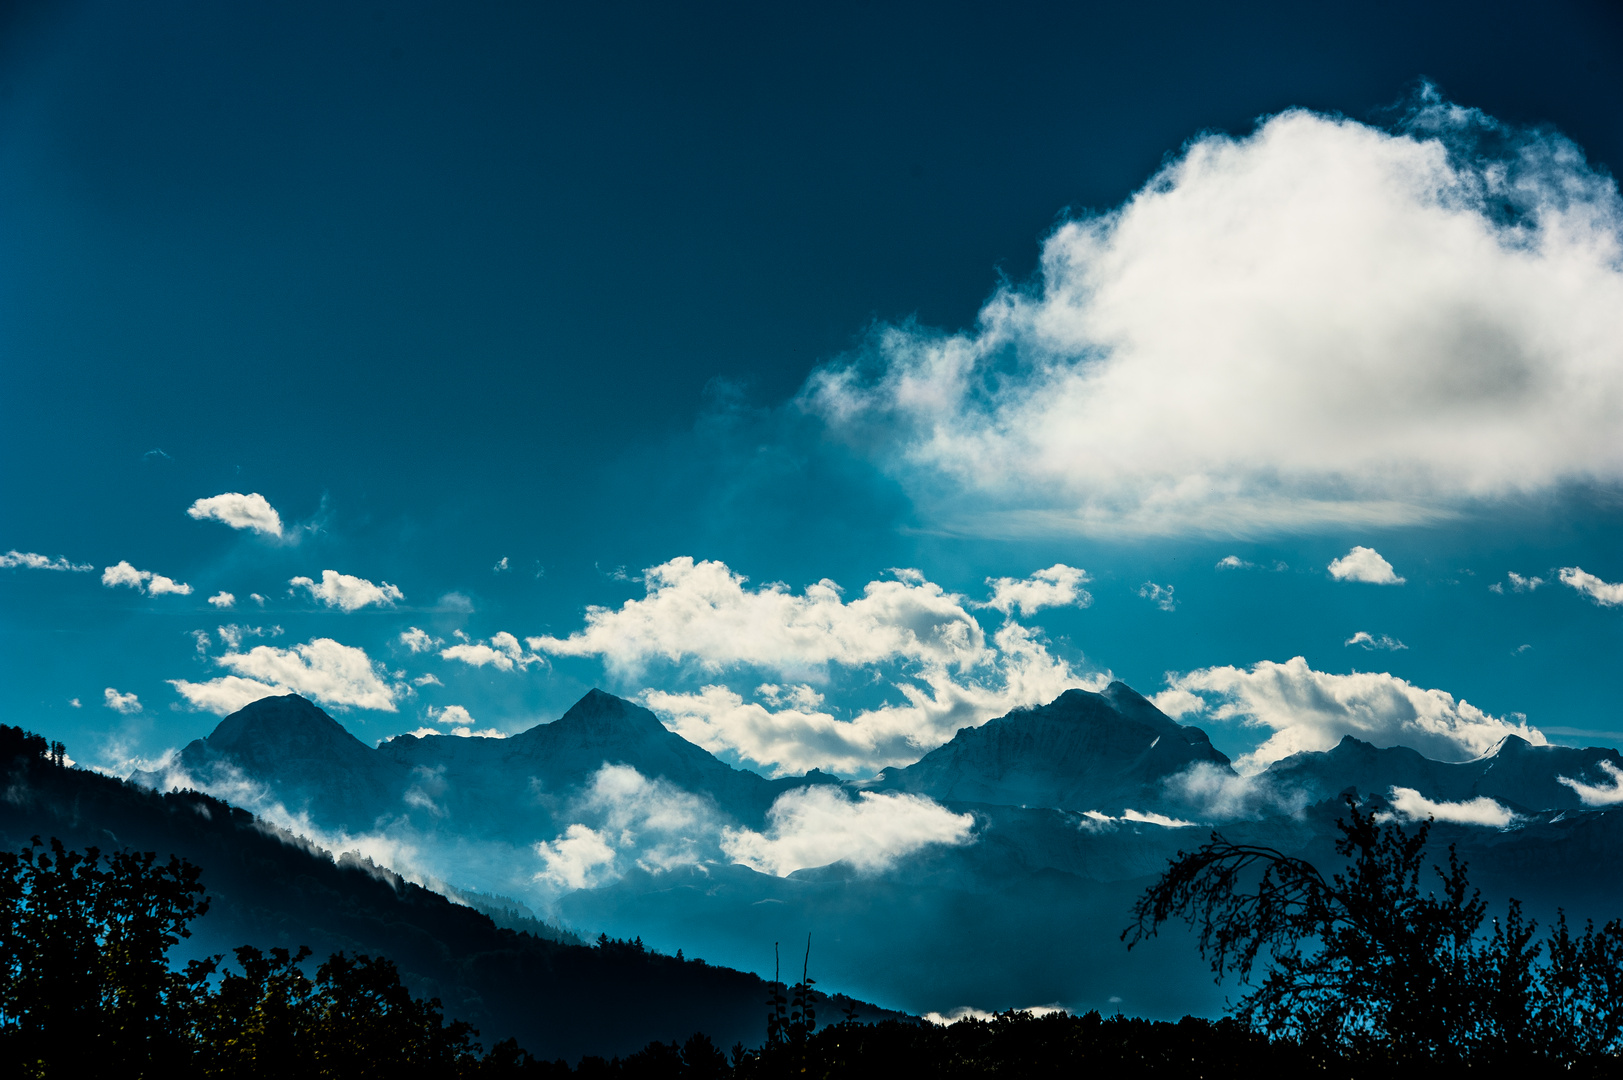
column 252, row 511
column 1159, row 595
column 1321, row 324
column 502, row 652
column 1599, row 794
column 29, row 560
column 1604, row 593
column 121, row 703
column 1366, row 640
column 1410, row 804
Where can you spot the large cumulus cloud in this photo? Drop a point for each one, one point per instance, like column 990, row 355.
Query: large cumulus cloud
column 1321, row 323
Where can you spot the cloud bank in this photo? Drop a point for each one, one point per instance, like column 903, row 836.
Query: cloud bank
column 1410, row 804
column 1320, row 324
column 239, row 511
column 1312, row 710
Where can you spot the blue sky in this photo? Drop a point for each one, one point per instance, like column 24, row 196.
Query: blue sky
column 497, row 310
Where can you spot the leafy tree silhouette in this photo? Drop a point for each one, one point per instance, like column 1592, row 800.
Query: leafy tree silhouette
column 84, row 983
column 1371, row 964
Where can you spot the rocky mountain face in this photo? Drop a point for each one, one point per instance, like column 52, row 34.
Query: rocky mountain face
column 1524, row 777
column 1082, row 751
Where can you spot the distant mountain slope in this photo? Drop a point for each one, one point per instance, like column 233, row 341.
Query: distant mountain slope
column 1523, row 776
column 511, row 789
column 1082, row 751
column 269, row 889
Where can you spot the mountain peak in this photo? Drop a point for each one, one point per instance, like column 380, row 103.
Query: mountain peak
column 287, row 725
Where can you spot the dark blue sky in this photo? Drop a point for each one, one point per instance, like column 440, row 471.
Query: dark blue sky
column 451, row 284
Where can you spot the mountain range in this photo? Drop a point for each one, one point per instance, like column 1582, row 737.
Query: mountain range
column 1046, row 824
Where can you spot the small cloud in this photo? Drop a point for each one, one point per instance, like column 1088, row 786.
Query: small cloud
column 239, row 511
column 816, row 826
column 1368, row 641
column 323, row 670
column 225, row 695
column 31, row 561
column 223, row 599
column 1604, row 593
column 256, row 598
column 1366, row 565
column 455, row 601
column 461, row 723
column 1413, row 806
column 1058, row 586
column 427, row 680
column 1159, row 595
column 121, row 703
column 417, row 640
column 502, row 652
column 123, row 574
column 502, row 566
column 1497, row 588
column 1524, row 584
column 1599, row 794
column 1233, row 562
column 1522, row 648
column 75, row 703
column 348, row 593
column 202, row 640
column 156, row 455
column 233, row 634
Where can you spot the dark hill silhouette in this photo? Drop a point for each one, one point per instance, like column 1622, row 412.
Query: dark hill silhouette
column 271, row 889
column 1082, row 751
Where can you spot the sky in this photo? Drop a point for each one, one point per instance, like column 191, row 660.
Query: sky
column 825, row 378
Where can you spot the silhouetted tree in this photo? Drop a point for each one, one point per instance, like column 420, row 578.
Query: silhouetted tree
column 1370, row 962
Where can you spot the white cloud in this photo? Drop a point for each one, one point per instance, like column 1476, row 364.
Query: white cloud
column 815, row 826
column 32, row 561
column 461, row 722
column 239, row 511
column 502, row 566
column 1599, row 794
column 142, row 580
column 1369, row 641
column 1313, row 710
column 1159, row 595
column 121, row 703
column 348, row 593
column 223, row 599
column 417, row 640
column 1366, row 565
column 233, row 634
column 1409, row 803
column 702, row 612
column 1524, row 584
column 1058, row 586
column 1233, row 562
column 503, row 652
column 579, row 859
column 791, row 732
column 256, row 598
column 635, row 821
column 1604, row 593
column 224, row 695
column 1320, row 324
column 323, row 670
column 429, row 679
column 75, row 702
